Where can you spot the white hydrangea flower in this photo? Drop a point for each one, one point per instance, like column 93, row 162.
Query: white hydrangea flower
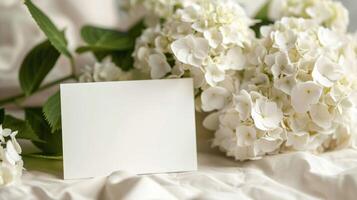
column 214, row 74
column 159, row 66
column 321, row 115
column 305, row 94
column 104, row 71
column 296, row 94
column 214, row 98
column 246, row 135
column 11, row 164
column 190, row 50
column 329, row 13
column 206, row 40
column 326, row 72
column 266, row 115
column 243, row 104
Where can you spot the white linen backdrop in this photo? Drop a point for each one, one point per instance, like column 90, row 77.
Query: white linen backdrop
column 298, row 175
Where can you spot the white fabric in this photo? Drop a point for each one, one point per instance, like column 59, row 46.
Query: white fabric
column 298, row 175
column 289, row 176
column 19, row 33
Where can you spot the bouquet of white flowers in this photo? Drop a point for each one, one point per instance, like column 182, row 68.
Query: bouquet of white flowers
column 297, row 97
column 205, row 40
column 281, row 81
column 11, row 163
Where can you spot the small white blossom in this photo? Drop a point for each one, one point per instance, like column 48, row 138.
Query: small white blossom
column 104, row 71
column 266, row 115
column 326, row 72
column 214, row 74
column 4, row 133
column 303, row 95
column 321, row 115
column 198, row 77
column 11, row 163
column 211, row 122
column 298, row 140
column 229, row 119
column 285, row 84
column 214, row 98
column 234, row 59
column 159, row 66
column 269, row 144
column 243, row 104
column 282, row 65
column 329, row 13
column 246, row 135
column 214, row 37
column 191, row 50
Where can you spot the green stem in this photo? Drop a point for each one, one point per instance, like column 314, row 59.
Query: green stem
column 44, row 87
column 73, row 67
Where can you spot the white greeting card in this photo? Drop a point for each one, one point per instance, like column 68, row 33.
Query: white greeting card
column 138, row 126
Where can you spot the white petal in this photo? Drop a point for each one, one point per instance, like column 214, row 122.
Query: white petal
column 243, row 104
column 181, row 50
column 269, row 144
column 326, row 72
column 285, row 84
column 298, row 140
column 321, row 115
column 304, row 95
column 211, row 122
column 230, row 119
column 16, row 144
column 198, row 77
column 246, row 135
column 214, row 75
column 190, row 50
column 266, row 115
column 6, row 132
column 214, row 37
column 214, row 98
column 234, row 59
column 328, row 38
column 11, row 156
column 159, row 66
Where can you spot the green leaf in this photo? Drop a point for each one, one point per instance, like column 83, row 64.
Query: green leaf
column 124, row 60
column 52, row 112
column 36, row 65
column 2, row 115
column 56, row 36
column 53, row 141
column 23, row 127
column 100, row 39
column 263, row 12
column 118, row 45
column 263, row 19
column 44, row 156
column 137, row 29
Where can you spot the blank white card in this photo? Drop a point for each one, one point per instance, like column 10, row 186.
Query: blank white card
column 137, row 126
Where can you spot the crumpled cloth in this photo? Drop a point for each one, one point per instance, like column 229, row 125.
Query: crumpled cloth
column 298, row 175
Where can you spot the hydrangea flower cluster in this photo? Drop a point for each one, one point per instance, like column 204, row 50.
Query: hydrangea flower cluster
column 153, row 10
column 160, row 8
column 103, row 71
column 11, row 163
column 296, row 95
column 205, row 40
column 331, row 14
